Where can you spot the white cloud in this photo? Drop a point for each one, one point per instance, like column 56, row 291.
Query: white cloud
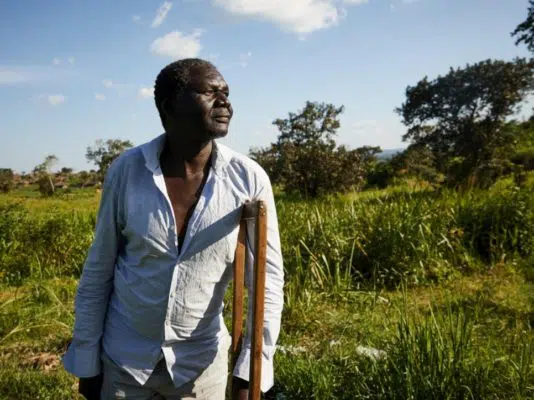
column 392, row 7
column 161, row 14
column 71, row 60
column 56, row 61
column 244, row 59
column 136, row 19
column 107, row 83
column 100, row 97
column 56, row 99
column 298, row 16
column 146, row 93
column 12, row 76
column 177, row 45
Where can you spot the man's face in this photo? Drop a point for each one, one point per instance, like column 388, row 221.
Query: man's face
column 204, row 107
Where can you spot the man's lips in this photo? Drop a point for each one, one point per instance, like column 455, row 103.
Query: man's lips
column 222, row 118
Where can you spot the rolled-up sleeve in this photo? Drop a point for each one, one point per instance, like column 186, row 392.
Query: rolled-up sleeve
column 83, row 355
column 274, row 297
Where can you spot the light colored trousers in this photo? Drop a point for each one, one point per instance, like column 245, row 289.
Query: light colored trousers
column 210, row 385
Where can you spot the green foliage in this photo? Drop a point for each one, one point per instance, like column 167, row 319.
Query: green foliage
column 524, row 32
column 6, row 180
column 46, row 185
column 525, row 158
column 42, row 245
column 460, row 116
column 380, row 175
column 335, row 249
column 417, row 162
column 35, row 324
column 378, row 239
column 305, row 160
column 501, row 228
column 45, row 181
column 396, row 346
column 103, row 153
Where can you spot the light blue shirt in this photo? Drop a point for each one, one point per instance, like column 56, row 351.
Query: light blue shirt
column 138, row 299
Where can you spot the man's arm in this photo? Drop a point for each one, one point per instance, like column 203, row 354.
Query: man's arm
column 83, row 354
column 274, row 298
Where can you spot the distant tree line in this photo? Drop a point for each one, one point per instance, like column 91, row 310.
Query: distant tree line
column 101, row 154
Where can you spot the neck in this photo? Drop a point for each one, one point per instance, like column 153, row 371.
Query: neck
column 185, row 158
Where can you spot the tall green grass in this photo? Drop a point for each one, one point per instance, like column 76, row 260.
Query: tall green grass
column 414, row 237
column 377, row 240
column 436, row 356
column 340, row 256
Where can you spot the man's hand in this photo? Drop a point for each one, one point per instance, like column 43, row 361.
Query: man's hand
column 239, row 389
column 90, row 387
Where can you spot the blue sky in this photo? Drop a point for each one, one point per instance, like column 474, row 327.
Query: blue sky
column 72, row 72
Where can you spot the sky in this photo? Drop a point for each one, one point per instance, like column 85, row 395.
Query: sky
column 74, row 71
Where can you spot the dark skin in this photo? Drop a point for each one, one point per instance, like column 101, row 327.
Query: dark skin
column 193, row 120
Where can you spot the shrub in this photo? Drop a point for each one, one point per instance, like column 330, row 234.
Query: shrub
column 6, row 180
column 42, row 244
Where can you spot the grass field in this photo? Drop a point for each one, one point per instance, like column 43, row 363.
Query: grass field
column 394, row 294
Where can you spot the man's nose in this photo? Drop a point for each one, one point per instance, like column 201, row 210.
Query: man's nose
column 222, row 100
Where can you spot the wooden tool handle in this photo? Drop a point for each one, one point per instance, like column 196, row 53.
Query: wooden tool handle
column 239, row 287
column 260, row 260
column 256, row 211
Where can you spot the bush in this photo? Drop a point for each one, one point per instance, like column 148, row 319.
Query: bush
column 500, row 226
column 524, row 157
column 6, row 180
column 46, row 185
column 42, row 244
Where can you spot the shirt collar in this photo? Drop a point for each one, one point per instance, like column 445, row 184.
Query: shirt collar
column 152, row 151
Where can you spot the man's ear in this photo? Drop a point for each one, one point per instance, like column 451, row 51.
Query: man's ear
column 167, row 107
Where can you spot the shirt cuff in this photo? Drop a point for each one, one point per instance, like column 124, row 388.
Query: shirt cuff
column 83, row 363
column 242, row 369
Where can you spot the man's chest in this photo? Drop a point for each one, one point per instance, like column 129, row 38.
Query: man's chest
column 207, row 218
column 183, row 197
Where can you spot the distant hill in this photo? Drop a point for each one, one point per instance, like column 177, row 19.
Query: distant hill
column 389, row 153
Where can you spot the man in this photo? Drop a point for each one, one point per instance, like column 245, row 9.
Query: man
column 149, row 304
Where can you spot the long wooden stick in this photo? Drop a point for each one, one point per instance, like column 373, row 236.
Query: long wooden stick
column 258, row 212
column 239, row 286
column 260, row 260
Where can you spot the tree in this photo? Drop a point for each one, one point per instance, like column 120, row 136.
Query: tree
column 417, row 162
column 524, row 32
column 460, row 116
column 7, row 179
column 103, row 153
column 43, row 172
column 305, row 158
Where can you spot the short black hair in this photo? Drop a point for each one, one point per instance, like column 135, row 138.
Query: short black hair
column 173, row 79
